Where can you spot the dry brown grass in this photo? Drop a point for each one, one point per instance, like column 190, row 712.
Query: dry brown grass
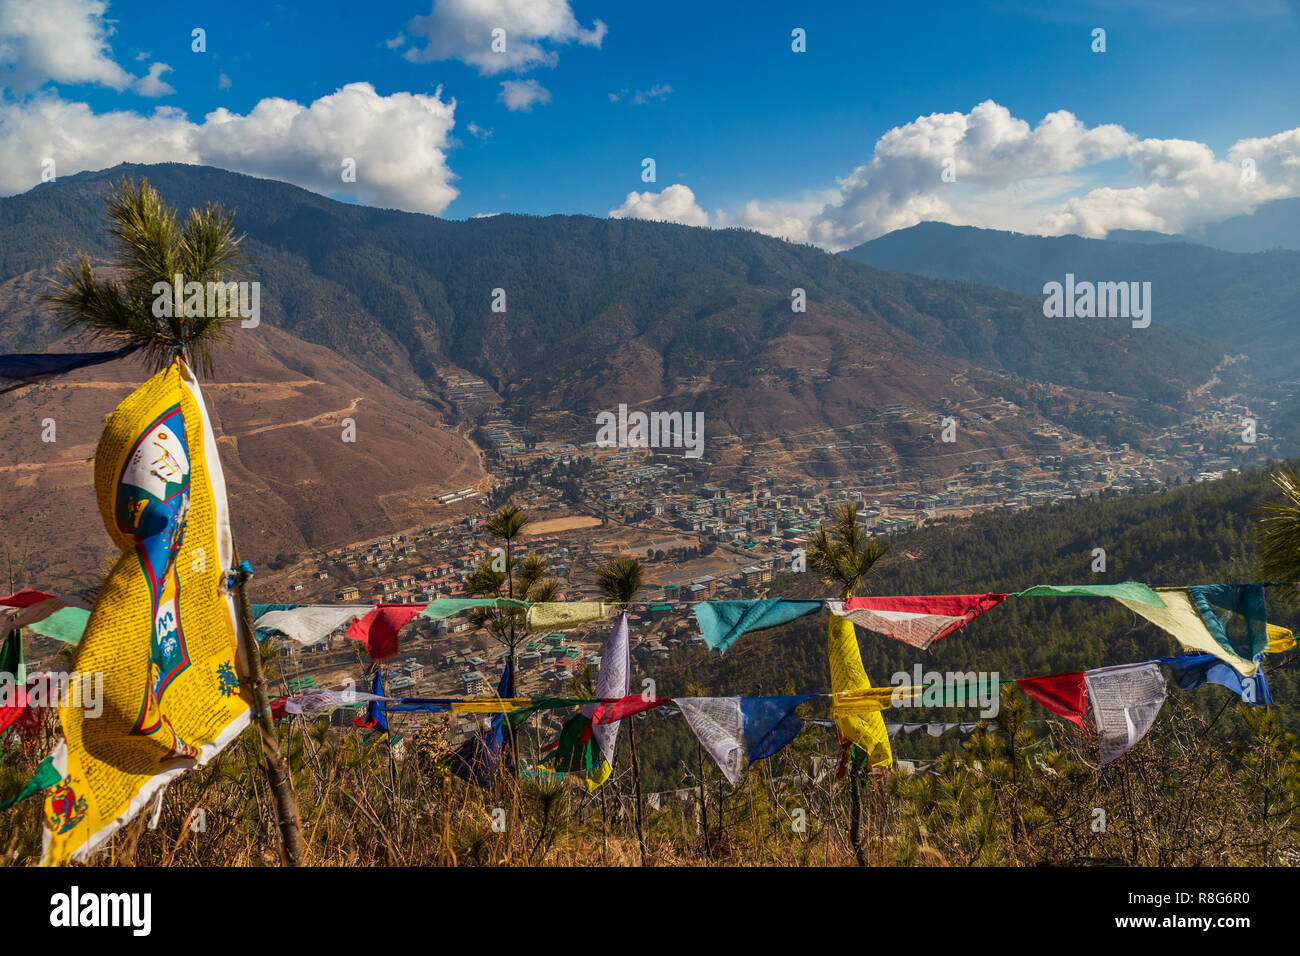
column 1180, row 798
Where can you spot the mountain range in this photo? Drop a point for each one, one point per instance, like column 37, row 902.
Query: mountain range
column 1274, row 225
column 1246, row 301
column 381, row 313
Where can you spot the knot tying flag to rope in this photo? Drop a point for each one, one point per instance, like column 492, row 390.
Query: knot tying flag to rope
column 243, row 567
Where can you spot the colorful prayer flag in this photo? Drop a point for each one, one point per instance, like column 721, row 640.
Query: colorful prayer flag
column 1280, row 639
column 721, row 622
column 1180, row 617
column 379, row 628
column 26, row 368
column 374, row 715
column 320, row 699
column 920, row 620
column 61, row 617
column 736, row 731
column 45, row 777
column 848, row 676
column 446, row 607
column 1235, row 614
column 558, row 615
column 1128, row 591
column 1125, row 703
column 612, row 681
column 480, row 758
column 1194, row 670
column 1063, row 694
column 162, row 635
column 307, row 623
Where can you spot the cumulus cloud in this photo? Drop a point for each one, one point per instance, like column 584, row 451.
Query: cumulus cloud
column 65, row 41
column 399, row 142
column 152, row 84
column 1186, row 187
column 520, row 96
column 786, row 219
column 1047, row 179
column 463, row 30
column 478, row 132
column 675, row 204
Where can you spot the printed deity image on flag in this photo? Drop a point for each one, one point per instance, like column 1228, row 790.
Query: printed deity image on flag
column 153, row 498
column 163, row 629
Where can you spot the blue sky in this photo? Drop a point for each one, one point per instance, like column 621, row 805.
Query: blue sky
column 757, row 134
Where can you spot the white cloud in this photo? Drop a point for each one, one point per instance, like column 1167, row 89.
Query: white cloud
column 520, row 96
column 399, row 142
column 478, row 132
column 224, row 82
column 65, row 41
column 152, row 84
column 675, row 204
column 462, row 30
column 783, row 219
column 1186, row 187
column 1053, row 178
column 658, row 91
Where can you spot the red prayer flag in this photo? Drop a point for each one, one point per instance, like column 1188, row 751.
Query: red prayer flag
column 1064, row 694
column 19, row 712
column 25, row 598
column 919, row 620
column 378, row 629
column 608, row 713
column 10, row 712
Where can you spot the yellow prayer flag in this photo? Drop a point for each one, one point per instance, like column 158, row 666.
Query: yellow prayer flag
column 1180, row 618
column 598, row 776
column 848, row 675
column 490, row 705
column 161, row 642
column 1280, row 639
column 872, row 701
column 557, row 615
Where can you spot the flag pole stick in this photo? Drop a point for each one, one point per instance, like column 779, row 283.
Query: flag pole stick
column 284, row 799
column 636, row 780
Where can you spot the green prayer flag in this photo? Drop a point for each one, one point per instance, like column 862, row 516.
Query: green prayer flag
column 11, row 657
column 45, row 777
column 66, row 625
column 446, row 607
column 1128, row 591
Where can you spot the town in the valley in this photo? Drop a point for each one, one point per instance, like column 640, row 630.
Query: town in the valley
column 719, row 526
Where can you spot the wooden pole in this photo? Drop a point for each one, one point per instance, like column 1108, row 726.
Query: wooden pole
column 277, row 770
column 704, row 811
column 636, row 781
column 855, row 812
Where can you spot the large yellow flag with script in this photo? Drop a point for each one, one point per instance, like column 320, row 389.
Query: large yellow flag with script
column 867, row 730
column 162, row 634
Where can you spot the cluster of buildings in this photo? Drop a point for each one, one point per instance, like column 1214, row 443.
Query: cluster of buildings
column 721, row 527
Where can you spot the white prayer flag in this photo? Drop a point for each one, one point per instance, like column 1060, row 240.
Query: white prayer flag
column 720, row 727
column 311, row 622
column 1125, row 702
